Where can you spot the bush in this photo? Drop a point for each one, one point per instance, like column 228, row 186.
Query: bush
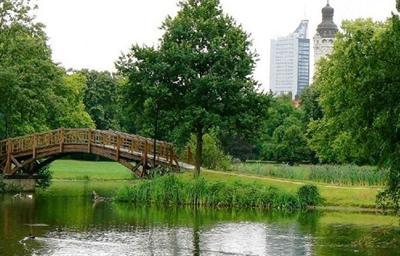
column 309, row 196
column 213, row 156
column 388, row 200
column 44, row 177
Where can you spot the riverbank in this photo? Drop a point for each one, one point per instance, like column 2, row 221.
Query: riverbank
column 107, row 177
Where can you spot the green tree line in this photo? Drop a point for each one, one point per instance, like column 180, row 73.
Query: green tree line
column 196, row 86
column 36, row 94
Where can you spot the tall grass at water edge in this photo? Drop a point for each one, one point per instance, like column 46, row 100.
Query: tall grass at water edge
column 334, row 174
column 170, row 190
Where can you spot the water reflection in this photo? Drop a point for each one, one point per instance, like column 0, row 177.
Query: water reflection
column 74, row 226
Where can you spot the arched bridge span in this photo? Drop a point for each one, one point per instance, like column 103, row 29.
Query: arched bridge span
column 26, row 154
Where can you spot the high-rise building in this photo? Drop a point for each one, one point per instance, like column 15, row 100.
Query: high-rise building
column 290, row 62
column 325, row 36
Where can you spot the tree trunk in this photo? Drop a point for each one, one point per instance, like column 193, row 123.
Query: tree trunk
column 199, row 151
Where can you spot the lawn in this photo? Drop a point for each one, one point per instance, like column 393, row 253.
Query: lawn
column 345, row 196
column 89, row 170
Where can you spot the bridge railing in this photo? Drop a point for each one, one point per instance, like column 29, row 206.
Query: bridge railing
column 121, row 142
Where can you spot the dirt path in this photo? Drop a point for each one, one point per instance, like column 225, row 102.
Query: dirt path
column 289, row 181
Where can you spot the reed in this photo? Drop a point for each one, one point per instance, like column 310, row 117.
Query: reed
column 170, row 190
column 348, row 175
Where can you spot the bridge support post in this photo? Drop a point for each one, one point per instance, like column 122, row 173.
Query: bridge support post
column 118, row 147
column 90, row 141
column 34, row 145
column 9, row 154
column 171, row 157
column 145, row 159
column 62, row 139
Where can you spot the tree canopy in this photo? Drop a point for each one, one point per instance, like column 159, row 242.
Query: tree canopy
column 200, row 75
column 359, row 86
column 284, row 133
column 32, row 88
column 101, row 99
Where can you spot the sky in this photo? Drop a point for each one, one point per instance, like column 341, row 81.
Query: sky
column 94, row 33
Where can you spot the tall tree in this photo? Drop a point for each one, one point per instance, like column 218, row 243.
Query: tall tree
column 201, row 74
column 32, row 87
column 69, row 109
column 27, row 74
column 101, row 95
column 310, row 104
column 284, row 133
column 359, row 92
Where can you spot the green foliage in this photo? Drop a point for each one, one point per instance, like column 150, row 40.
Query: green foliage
column 309, row 195
column 44, row 177
column 101, row 98
column 170, row 190
column 70, row 110
column 289, row 144
column 359, row 94
column 310, row 104
column 284, row 139
column 27, row 74
column 35, row 94
column 213, row 156
column 199, row 78
column 343, row 175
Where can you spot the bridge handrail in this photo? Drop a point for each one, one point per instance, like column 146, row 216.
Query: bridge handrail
column 117, row 140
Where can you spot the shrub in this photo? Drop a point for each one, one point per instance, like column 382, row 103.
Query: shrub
column 44, row 177
column 309, row 196
column 213, row 156
column 387, row 200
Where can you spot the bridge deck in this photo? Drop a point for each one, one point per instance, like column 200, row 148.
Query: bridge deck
column 20, row 154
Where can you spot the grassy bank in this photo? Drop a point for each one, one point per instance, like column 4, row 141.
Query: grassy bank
column 172, row 190
column 346, row 196
column 107, row 175
column 342, row 175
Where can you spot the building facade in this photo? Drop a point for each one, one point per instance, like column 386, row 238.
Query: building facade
column 325, row 36
column 290, row 62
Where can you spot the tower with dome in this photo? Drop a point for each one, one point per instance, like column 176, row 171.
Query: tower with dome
column 325, row 36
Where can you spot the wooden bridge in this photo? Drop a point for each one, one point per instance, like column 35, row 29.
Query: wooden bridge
column 25, row 155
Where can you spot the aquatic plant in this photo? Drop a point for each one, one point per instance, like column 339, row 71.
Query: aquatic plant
column 171, row 190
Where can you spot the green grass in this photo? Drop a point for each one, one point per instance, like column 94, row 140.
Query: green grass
column 89, row 170
column 172, row 190
column 345, row 196
column 348, row 175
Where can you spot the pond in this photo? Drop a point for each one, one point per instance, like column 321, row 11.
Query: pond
column 74, row 225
